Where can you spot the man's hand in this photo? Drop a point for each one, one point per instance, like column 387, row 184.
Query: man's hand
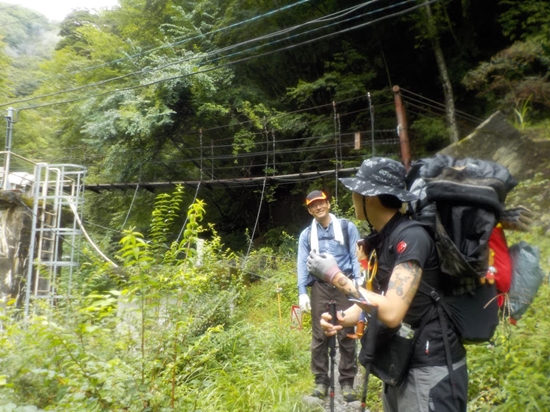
column 323, row 266
column 305, row 304
column 329, row 328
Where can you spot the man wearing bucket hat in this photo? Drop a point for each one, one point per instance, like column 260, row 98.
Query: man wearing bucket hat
column 409, row 351
column 337, row 237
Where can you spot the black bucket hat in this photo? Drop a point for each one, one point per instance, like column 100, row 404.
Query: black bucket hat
column 380, row 176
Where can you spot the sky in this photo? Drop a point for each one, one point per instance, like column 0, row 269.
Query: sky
column 57, row 10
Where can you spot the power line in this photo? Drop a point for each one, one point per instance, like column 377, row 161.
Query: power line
column 286, row 38
column 206, row 70
column 188, row 39
column 145, row 71
column 263, row 37
column 23, row 21
column 260, row 153
column 434, row 104
column 259, row 203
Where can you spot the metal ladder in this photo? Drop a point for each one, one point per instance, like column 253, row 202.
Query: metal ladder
column 57, row 197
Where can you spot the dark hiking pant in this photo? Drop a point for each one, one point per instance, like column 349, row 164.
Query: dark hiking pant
column 321, row 294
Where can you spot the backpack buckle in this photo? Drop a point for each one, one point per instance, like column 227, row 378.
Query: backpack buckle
column 435, row 296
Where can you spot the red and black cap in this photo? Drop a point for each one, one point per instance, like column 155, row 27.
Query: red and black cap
column 315, row 195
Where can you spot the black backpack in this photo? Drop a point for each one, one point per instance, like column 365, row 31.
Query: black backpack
column 460, row 203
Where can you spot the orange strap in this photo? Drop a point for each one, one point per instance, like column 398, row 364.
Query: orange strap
column 372, row 269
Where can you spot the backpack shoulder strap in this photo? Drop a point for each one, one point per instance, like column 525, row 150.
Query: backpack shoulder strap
column 344, row 224
column 441, row 312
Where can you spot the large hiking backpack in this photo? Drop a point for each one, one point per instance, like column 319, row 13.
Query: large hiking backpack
column 460, row 202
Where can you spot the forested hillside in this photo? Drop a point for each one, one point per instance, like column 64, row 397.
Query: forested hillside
column 215, row 91
column 249, row 105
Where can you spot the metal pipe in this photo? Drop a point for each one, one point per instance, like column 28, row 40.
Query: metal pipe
column 371, row 110
column 9, row 133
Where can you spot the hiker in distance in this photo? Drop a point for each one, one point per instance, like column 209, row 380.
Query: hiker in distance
column 328, row 234
column 406, row 256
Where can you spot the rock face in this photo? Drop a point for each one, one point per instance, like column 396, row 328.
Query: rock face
column 497, row 140
column 15, row 230
column 526, row 157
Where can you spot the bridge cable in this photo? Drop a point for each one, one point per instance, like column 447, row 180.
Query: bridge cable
column 196, row 191
column 261, row 198
column 130, row 209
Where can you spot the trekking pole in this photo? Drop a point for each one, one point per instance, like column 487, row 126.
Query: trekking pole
column 332, row 352
column 370, row 346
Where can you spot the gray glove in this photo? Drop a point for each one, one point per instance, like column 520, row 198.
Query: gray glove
column 322, row 266
column 519, row 218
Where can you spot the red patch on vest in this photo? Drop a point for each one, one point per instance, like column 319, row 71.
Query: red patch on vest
column 401, row 246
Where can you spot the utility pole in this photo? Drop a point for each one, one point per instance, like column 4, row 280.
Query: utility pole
column 9, row 132
column 402, row 128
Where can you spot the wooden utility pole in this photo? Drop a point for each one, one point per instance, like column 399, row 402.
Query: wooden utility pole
column 402, row 128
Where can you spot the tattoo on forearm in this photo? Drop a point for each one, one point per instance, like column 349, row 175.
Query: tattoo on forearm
column 347, row 286
column 405, row 279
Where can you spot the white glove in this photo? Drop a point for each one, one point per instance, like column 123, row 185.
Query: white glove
column 305, row 305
